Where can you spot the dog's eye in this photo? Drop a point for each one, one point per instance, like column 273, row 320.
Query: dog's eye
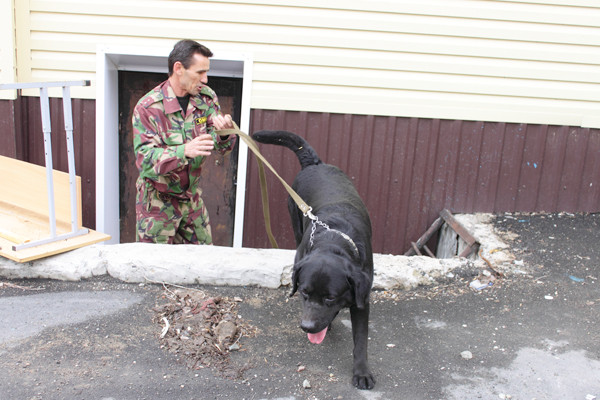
column 329, row 300
column 304, row 294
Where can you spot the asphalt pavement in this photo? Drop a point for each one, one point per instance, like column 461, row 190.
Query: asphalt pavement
column 533, row 334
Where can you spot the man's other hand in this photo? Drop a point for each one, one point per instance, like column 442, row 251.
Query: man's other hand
column 199, row 146
column 223, row 122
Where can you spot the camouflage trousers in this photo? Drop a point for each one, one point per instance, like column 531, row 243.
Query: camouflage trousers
column 161, row 218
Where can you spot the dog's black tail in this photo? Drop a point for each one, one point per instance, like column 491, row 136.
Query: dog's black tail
column 306, row 154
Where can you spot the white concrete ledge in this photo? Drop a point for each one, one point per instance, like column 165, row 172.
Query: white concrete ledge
column 181, row 264
column 191, row 264
column 213, row 265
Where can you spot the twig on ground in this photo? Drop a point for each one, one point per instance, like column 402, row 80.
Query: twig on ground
column 172, row 284
column 494, row 270
column 165, row 329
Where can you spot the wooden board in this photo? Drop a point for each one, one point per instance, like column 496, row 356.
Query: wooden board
column 24, row 212
column 24, row 185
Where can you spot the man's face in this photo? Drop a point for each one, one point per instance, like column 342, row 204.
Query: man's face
column 195, row 76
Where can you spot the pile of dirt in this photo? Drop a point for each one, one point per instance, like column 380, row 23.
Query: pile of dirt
column 203, row 330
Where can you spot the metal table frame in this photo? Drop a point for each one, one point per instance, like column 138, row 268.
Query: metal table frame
column 47, row 129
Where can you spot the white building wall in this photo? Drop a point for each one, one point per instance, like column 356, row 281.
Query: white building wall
column 7, row 48
column 528, row 61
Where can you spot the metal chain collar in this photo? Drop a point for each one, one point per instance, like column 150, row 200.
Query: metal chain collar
column 315, row 221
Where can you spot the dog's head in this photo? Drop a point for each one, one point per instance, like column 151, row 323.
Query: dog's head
column 327, row 283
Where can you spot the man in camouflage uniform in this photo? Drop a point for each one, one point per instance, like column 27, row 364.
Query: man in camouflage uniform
column 174, row 131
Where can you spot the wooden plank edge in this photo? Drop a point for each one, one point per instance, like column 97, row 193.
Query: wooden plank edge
column 458, row 228
column 35, row 253
column 12, row 237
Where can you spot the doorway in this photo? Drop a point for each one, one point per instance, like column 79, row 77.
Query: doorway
column 218, row 178
column 110, row 60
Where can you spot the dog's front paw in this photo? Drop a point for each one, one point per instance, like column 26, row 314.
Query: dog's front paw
column 363, row 379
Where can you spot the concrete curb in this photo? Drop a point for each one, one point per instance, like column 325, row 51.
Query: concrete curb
column 214, row 265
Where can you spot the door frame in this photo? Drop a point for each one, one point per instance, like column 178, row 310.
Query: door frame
column 109, row 60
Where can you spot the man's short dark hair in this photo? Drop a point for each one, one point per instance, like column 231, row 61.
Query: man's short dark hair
column 184, row 51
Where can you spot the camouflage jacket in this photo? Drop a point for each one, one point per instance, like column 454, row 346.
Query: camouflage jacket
column 160, row 133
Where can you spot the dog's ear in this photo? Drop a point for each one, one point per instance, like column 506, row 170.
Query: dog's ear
column 359, row 281
column 295, row 276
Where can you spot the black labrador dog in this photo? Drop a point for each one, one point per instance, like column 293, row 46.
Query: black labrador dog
column 333, row 267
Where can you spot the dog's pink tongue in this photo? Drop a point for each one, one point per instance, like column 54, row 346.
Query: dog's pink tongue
column 317, row 338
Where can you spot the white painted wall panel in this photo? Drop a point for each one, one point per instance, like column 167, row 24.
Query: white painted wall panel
column 515, row 61
column 7, row 47
column 423, row 104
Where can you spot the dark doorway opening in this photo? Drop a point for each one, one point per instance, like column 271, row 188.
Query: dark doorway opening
column 218, row 180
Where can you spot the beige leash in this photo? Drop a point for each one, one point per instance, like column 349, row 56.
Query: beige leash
column 305, row 208
column 260, row 159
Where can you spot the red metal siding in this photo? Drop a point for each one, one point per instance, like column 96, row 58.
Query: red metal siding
column 29, row 140
column 572, row 175
column 7, row 129
column 408, row 169
column 589, row 193
column 405, row 169
column 12, row 141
